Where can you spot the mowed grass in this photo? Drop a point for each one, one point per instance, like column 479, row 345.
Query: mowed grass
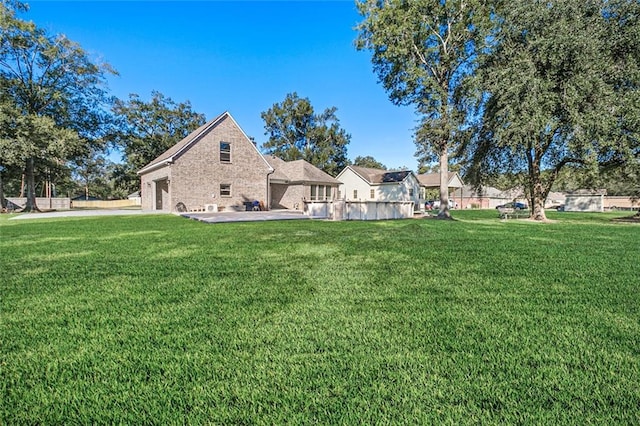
column 163, row 320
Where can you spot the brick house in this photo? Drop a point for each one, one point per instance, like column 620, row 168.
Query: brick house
column 216, row 165
column 294, row 182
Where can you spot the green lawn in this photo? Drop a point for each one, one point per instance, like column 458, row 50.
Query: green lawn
column 164, row 320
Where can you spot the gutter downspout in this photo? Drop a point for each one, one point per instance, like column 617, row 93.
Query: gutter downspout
column 269, row 188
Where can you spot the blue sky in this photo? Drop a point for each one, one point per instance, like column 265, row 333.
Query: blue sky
column 241, row 57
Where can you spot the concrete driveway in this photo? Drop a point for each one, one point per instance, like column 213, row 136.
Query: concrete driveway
column 222, row 217
column 83, row 213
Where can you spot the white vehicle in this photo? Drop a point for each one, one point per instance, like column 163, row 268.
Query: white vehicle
column 436, row 204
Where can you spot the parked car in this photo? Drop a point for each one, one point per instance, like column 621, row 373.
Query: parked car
column 436, row 204
column 558, row 207
column 513, row 205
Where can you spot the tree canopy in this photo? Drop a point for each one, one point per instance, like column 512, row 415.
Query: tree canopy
column 424, row 52
column 52, row 94
column 562, row 89
column 296, row 132
column 368, row 161
column 144, row 130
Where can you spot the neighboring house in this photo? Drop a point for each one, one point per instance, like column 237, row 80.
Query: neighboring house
column 486, row 197
column 366, row 184
column 216, row 165
column 431, row 181
column 585, row 200
column 555, row 199
column 614, row 202
column 294, row 182
column 489, row 197
column 135, row 198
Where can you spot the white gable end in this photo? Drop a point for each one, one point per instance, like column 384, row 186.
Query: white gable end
column 353, row 187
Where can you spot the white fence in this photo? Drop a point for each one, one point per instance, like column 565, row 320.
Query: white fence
column 319, row 209
column 360, row 210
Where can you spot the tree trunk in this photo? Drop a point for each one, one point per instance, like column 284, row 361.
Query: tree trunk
column 536, row 191
column 3, row 201
column 444, row 212
column 31, row 188
column 537, row 203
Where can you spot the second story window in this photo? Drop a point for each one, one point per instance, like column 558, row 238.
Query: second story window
column 225, row 152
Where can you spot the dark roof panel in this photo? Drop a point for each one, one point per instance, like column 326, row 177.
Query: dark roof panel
column 381, row 176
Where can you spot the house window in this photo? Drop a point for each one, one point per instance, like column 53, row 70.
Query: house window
column 410, row 192
column 225, row 190
column 320, row 192
column 372, row 193
column 355, row 194
column 225, row 152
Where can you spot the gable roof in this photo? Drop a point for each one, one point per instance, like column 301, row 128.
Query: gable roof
column 178, row 149
column 378, row 176
column 297, row 171
column 485, row 191
column 432, row 180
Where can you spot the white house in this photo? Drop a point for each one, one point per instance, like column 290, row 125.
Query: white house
column 367, row 185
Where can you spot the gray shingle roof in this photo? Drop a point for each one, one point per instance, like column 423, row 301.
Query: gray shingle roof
column 298, row 171
column 279, row 166
column 433, row 179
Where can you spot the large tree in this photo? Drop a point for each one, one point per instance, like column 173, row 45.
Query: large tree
column 424, row 52
column 54, row 92
column 7, row 159
column 296, row 132
column 562, row 83
column 623, row 24
column 90, row 173
column 144, row 130
column 29, row 138
column 123, row 179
